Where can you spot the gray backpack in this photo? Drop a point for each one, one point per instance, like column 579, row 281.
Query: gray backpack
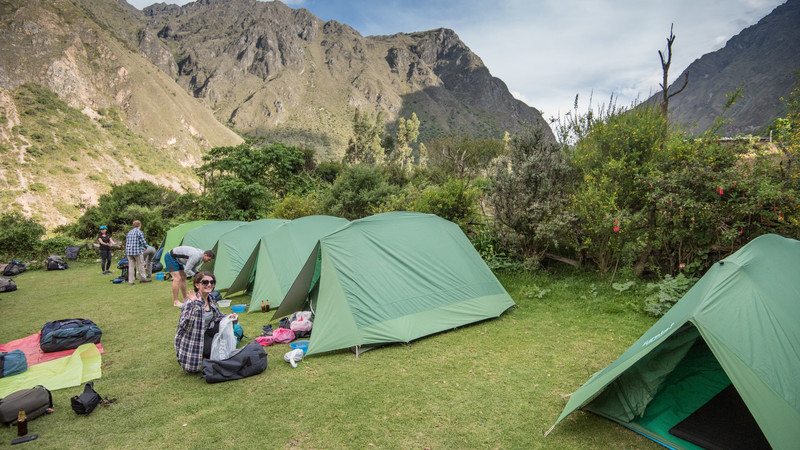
column 7, row 284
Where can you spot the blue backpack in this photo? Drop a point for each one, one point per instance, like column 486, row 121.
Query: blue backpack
column 12, row 363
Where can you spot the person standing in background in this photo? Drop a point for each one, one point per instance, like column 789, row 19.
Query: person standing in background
column 105, row 241
column 134, row 243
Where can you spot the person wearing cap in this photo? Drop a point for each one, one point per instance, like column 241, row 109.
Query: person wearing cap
column 180, row 262
column 105, row 241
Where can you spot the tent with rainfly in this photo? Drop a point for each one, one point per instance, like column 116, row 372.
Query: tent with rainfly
column 175, row 235
column 393, row 277
column 234, row 247
column 720, row 369
column 278, row 257
column 205, row 237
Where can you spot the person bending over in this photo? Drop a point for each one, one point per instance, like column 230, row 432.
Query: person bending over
column 198, row 323
column 181, row 262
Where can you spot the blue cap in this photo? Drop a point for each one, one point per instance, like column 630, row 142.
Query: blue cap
column 103, row 227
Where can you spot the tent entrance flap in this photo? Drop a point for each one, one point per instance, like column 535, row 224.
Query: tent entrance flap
column 303, row 284
column 689, row 386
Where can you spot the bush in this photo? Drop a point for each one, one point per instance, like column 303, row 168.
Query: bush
column 665, row 293
column 455, row 201
column 294, row 206
column 357, row 193
column 19, row 237
column 529, row 192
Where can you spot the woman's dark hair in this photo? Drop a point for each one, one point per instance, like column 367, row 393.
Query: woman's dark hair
column 198, row 277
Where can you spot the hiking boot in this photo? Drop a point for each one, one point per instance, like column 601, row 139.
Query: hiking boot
column 267, row 330
column 131, row 284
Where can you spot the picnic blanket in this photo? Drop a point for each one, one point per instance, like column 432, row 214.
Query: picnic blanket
column 82, row 366
column 33, row 353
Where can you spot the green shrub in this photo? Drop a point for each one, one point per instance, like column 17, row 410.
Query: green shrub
column 294, row 206
column 357, row 193
column 19, row 237
column 455, row 201
column 57, row 245
column 665, row 293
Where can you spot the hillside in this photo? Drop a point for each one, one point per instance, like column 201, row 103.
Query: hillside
column 761, row 59
column 80, row 111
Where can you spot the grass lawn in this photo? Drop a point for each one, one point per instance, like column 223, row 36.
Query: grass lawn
column 494, row 384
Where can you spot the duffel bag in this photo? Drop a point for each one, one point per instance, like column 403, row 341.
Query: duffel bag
column 35, row 402
column 7, row 284
column 245, row 362
column 12, row 363
column 68, row 334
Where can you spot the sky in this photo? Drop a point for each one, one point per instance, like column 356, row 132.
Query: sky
column 550, row 51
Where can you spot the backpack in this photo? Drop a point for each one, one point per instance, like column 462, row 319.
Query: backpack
column 156, row 266
column 247, row 361
column 12, row 363
column 35, row 402
column 73, row 250
column 7, row 285
column 14, row 268
column 68, row 334
column 55, row 262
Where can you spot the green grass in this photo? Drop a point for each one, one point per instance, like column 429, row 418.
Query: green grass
column 495, row 384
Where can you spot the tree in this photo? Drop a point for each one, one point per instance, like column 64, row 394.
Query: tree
column 407, row 133
column 665, row 83
column 529, row 192
column 242, row 182
column 365, row 143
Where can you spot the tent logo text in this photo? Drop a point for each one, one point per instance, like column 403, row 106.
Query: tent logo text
column 655, row 338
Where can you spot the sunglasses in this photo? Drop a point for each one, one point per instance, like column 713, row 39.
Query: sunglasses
column 207, row 282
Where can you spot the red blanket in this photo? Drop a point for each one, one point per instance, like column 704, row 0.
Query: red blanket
column 33, row 353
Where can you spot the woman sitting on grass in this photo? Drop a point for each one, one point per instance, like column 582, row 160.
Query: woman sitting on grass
column 198, row 324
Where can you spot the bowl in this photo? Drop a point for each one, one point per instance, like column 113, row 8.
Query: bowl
column 224, row 303
column 302, row 345
column 160, row 276
column 238, row 308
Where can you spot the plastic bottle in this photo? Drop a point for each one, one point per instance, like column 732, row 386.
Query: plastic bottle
column 22, row 423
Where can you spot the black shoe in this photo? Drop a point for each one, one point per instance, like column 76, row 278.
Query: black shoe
column 144, row 280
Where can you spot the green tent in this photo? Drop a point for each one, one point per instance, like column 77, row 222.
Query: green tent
column 393, row 277
column 234, row 247
column 205, row 237
column 729, row 346
column 175, row 235
column 277, row 259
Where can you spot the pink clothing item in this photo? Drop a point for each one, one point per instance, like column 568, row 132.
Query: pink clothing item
column 283, row 336
column 33, row 353
column 264, row 341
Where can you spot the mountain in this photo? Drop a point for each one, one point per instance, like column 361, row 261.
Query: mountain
column 81, row 109
column 95, row 93
column 267, row 69
column 762, row 60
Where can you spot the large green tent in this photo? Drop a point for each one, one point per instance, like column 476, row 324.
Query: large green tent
column 175, row 235
column 393, row 277
column 278, row 257
column 234, row 248
column 722, row 364
column 205, row 237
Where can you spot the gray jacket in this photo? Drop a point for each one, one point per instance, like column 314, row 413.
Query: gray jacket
column 191, row 258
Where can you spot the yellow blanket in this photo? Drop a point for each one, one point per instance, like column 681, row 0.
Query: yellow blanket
column 82, row 366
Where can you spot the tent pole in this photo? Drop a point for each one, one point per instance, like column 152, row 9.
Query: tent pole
column 358, row 349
